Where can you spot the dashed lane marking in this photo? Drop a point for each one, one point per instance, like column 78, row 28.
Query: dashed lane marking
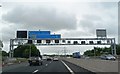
column 35, row 71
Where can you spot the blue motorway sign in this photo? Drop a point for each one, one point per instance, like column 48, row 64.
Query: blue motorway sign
column 42, row 35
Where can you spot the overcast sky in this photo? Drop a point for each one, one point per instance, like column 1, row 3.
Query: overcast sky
column 70, row 19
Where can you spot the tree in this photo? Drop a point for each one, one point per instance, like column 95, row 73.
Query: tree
column 4, row 53
column 24, row 51
column 118, row 49
column 97, row 51
column 89, row 53
column 100, row 51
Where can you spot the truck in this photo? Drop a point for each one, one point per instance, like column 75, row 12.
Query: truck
column 76, row 55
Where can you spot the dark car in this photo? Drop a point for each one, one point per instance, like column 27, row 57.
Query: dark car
column 35, row 61
column 49, row 59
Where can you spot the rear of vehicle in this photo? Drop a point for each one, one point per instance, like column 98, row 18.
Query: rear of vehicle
column 76, row 55
column 49, row 59
column 55, row 59
column 35, row 61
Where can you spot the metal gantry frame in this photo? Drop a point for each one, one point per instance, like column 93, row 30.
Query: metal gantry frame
column 109, row 41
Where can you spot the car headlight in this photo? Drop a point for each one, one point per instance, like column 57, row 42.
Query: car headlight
column 114, row 58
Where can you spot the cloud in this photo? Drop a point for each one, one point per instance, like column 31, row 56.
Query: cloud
column 89, row 22
column 40, row 17
column 77, row 34
column 60, row 18
column 7, row 34
column 90, row 25
column 27, row 18
column 102, row 15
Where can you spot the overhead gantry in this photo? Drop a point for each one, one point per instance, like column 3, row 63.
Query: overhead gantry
column 63, row 41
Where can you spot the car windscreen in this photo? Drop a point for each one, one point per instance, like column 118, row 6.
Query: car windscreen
column 110, row 56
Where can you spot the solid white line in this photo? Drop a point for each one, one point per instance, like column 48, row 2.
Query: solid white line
column 35, row 71
column 67, row 67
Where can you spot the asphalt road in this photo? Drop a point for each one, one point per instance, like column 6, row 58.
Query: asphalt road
column 59, row 67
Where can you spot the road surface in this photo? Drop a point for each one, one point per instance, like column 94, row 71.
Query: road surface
column 95, row 65
column 56, row 67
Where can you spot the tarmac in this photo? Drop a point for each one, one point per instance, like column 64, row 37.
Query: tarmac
column 95, row 65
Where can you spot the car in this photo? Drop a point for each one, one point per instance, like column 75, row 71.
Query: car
column 108, row 57
column 44, row 58
column 55, row 59
column 49, row 59
column 87, row 57
column 35, row 61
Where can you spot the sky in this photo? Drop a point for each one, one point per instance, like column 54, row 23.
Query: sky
column 71, row 19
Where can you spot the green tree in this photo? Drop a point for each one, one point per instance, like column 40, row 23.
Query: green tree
column 24, row 51
column 118, row 49
column 97, row 51
column 89, row 53
column 4, row 53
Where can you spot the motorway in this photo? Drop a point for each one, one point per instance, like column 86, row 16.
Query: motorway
column 59, row 67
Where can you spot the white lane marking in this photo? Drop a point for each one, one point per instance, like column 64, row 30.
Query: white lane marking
column 35, row 71
column 46, row 65
column 67, row 67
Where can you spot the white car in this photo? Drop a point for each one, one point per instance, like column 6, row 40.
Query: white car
column 108, row 57
column 55, row 59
